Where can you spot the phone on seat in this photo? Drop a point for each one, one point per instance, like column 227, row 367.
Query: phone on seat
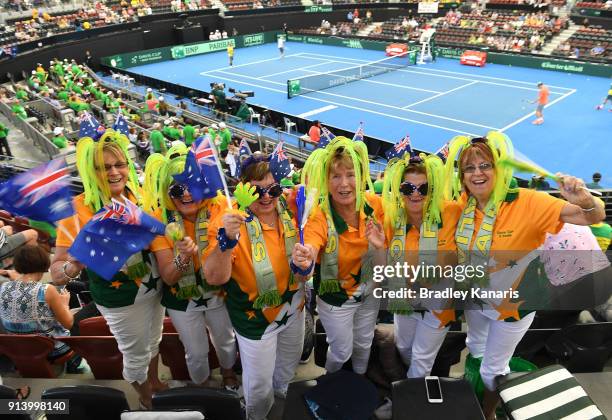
column 434, row 390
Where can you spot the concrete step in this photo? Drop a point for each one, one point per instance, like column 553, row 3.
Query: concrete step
column 366, row 31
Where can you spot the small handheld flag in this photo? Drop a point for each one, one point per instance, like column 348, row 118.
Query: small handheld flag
column 442, row 153
column 279, row 163
column 121, row 124
column 304, row 206
column 114, row 233
column 88, row 126
column 42, row 193
column 359, row 133
column 245, row 150
column 400, row 148
column 326, row 138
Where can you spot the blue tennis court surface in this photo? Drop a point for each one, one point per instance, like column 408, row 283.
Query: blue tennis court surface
column 432, row 103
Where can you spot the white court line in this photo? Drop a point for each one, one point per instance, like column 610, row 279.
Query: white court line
column 296, row 69
column 533, row 113
column 388, row 84
column 416, row 71
column 353, row 107
column 440, row 94
column 374, row 103
column 246, row 64
column 317, row 111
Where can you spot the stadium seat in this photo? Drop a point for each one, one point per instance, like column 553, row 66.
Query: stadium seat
column 289, row 124
column 582, row 347
column 295, row 406
column 254, row 116
column 94, row 326
column 29, row 354
column 102, row 355
column 215, row 404
column 90, row 402
column 532, row 342
column 449, row 354
column 7, row 393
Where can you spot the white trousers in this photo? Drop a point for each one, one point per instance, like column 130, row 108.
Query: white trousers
column 138, row 331
column 192, row 326
column 494, row 341
column 418, row 342
column 268, row 365
column 350, row 331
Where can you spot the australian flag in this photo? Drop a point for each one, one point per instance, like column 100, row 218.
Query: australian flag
column 89, row 126
column 399, row 148
column 201, row 174
column 244, row 152
column 121, row 124
column 359, row 133
column 442, row 153
column 326, row 137
column 113, row 234
column 8, row 51
column 42, row 193
column 279, row 163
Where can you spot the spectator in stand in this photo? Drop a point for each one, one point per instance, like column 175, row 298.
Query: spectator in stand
column 225, row 137
column 315, row 131
column 5, row 150
column 59, row 139
column 162, row 107
column 598, row 50
column 595, row 184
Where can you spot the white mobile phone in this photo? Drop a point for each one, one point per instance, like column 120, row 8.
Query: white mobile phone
column 434, row 391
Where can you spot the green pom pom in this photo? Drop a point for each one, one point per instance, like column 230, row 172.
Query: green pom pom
column 188, row 292
column 399, row 307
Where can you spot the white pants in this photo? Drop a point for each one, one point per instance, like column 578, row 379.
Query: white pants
column 350, row 331
column 418, row 342
column 268, row 365
column 138, row 331
column 192, row 326
column 494, row 341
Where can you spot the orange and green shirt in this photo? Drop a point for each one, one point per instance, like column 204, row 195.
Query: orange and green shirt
column 241, row 289
column 352, row 247
column 209, row 300
column 121, row 290
column 521, row 225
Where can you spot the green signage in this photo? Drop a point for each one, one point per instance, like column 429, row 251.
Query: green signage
column 253, row 39
column 182, row 51
column 318, row 9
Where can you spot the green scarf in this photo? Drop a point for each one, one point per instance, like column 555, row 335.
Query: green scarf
column 428, row 246
column 188, row 287
column 267, row 292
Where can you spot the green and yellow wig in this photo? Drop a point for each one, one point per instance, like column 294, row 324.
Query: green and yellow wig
column 90, row 164
column 501, row 148
column 319, row 163
column 393, row 200
column 158, row 178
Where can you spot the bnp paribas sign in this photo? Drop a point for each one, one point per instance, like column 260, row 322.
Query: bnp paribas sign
column 253, row 39
column 181, row 51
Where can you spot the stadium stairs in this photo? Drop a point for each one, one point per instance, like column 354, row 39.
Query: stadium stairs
column 562, row 37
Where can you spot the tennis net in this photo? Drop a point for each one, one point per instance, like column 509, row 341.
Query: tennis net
column 320, row 81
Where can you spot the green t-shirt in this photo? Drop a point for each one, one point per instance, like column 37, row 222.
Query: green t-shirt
column 3, row 131
column 19, row 111
column 158, row 142
column 60, row 141
column 22, row 95
column 226, row 139
column 171, row 132
column 188, row 134
column 243, row 112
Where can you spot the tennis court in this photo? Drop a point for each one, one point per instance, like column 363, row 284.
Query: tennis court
column 432, row 103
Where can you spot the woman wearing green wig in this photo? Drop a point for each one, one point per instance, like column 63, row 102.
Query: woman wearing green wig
column 420, row 229
column 343, row 235
column 193, row 305
column 130, row 302
column 499, row 229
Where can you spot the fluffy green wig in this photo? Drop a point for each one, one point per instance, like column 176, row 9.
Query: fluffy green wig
column 90, row 164
column 158, row 178
column 501, row 148
column 393, row 200
column 319, row 164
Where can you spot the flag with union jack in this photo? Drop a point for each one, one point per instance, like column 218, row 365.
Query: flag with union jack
column 202, row 174
column 399, row 148
column 442, row 153
column 279, row 163
column 359, row 133
column 88, row 126
column 326, row 137
column 117, row 231
column 243, row 152
column 121, row 124
column 42, row 193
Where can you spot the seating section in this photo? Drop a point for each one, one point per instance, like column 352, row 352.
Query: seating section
column 592, row 5
column 401, row 27
column 593, row 43
column 500, row 30
column 29, row 354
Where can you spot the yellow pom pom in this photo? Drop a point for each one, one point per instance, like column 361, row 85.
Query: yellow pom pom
column 175, row 232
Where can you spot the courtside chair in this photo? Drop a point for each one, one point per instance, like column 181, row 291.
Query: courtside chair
column 289, row 125
column 254, row 116
column 582, row 347
column 91, row 402
column 29, row 354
